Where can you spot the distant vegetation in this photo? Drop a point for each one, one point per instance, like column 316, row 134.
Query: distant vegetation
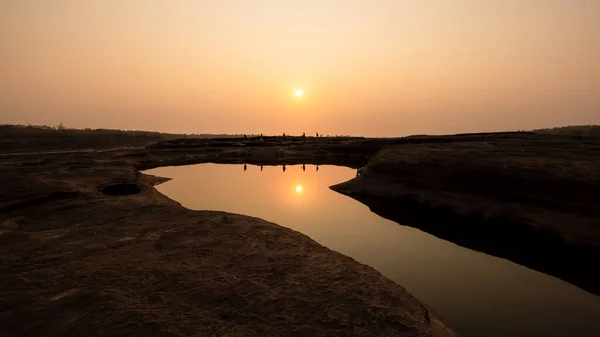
column 573, row 130
column 23, row 138
column 28, row 138
column 61, row 127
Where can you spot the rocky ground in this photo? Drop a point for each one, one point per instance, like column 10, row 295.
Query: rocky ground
column 89, row 248
column 530, row 198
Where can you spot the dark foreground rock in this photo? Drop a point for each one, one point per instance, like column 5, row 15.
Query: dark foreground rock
column 89, row 248
column 533, row 200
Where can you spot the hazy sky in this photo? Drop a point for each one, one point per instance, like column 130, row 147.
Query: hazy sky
column 376, row 68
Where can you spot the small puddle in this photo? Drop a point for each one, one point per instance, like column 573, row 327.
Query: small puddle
column 477, row 294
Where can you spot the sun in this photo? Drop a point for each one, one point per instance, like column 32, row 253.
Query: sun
column 299, row 92
column 299, row 188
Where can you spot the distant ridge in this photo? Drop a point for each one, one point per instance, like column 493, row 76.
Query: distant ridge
column 573, row 130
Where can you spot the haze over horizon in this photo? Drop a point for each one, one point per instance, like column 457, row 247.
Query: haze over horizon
column 371, row 68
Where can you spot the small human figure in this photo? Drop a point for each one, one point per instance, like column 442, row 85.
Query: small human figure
column 303, row 136
column 283, row 168
column 317, row 135
column 303, row 167
column 317, row 168
column 284, row 135
column 245, row 167
column 261, row 167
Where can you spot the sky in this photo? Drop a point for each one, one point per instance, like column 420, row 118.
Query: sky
column 372, row 68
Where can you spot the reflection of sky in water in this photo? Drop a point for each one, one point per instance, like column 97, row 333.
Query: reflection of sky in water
column 479, row 295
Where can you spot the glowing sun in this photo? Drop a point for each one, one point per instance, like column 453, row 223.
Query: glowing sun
column 299, row 188
column 299, row 92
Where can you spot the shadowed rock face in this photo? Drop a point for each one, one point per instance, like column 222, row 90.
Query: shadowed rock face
column 503, row 237
column 533, row 203
column 120, row 189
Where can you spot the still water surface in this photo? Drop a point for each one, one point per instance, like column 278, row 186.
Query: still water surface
column 477, row 294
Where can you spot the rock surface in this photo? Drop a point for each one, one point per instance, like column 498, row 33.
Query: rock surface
column 90, row 248
column 533, row 200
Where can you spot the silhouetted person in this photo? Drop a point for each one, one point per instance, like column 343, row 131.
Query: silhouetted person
column 261, row 167
column 317, row 135
column 283, row 168
column 245, row 167
column 317, row 168
column 303, row 167
column 303, row 136
column 284, row 135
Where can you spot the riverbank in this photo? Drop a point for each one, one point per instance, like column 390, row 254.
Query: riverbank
column 89, row 247
column 530, row 199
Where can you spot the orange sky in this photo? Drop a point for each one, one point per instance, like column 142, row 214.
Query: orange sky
column 374, row 68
